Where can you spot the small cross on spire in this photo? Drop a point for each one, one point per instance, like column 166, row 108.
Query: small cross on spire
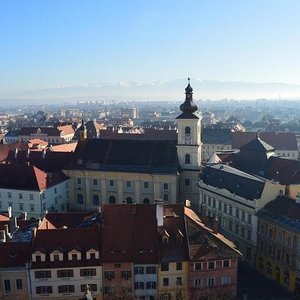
column 189, row 80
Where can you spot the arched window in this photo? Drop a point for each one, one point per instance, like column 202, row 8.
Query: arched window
column 112, row 199
column 129, row 200
column 187, row 130
column 166, row 197
column 146, row 201
column 96, row 200
column 187, row 159
column 79, row 199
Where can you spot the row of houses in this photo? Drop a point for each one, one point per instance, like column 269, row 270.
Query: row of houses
column 163, row 252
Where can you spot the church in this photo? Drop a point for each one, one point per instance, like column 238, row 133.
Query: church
column 139, row 170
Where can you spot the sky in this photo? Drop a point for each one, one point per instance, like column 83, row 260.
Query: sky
column 55, row 43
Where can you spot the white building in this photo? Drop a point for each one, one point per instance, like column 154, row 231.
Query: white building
column 26, row 188
column 64, row 262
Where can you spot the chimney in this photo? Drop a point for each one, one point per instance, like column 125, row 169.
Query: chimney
column 187, row 203
column 44, row 153
column 24, row 215
column 9, row 210
column 28, row 153
column 16, row 153
column 159, row 212
column 215, row 225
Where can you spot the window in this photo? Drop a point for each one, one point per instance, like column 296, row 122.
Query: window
column 117, row 265
column 80, row 199
column 243, row 215
column 151, row 270
column 220, row 205
column 230, row 210
column 111, row 183
column 178, row 265
column 211, row 281
column 166, row 186
column 166, row 197
column 178, row 280
column 95, row 182
column 187, row 182
column 146, row 201
column 43, row 289
column 146, row 185
column 138, row 270
column 93, row 287
column 237, row 213
column 197, row 266
column 225, row 280
column 7, row 286
column 165, row 266
column 19, row 284
column 128, row 184
column 74, row 256
column 197, row 282
column 126, row 274
column 96, row 200
column 187, row 130
column 129, row 200
column 66, row 289
column 226, row 263
column 109, row 275
column 139, row 285
column 79, row 180
column 211, row 265
column 56, row 257
column 165, row 281
column 225, row 208
column 112, row 199
column 65, row 273
column 249, row 219
column 55, row 190
column 88, row 272
column 214, row 203
column 42, row 274
column 151, row 285
column 20, row 196
column 269, row 268
column 21, row 206
column 9, row 195
column 187, row 159
column 32, row 207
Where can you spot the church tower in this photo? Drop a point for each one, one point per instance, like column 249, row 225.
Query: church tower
column 189, row 146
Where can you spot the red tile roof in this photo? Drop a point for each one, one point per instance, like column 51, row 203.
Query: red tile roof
column 23, row 177
column 68, row 219
column 14, row 254
column 279, row 140
column 174, row 226
column 129, row 233
column 65, row 240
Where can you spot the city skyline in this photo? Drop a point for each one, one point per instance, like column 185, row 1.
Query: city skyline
column 55, row 44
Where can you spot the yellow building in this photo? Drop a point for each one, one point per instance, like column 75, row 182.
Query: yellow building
column 135, row 170
column 278, row 248
column 173, row 280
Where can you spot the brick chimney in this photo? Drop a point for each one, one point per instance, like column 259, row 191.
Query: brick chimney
column 159, row 212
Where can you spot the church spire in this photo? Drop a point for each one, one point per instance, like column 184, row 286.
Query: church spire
column 188, row 106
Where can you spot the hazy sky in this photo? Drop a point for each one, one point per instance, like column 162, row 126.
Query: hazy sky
column 59, row 42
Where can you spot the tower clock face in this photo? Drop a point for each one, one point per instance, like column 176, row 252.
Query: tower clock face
column 187, row 140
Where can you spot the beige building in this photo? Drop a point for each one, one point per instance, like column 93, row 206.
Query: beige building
column 14, row 274
column 138, row 170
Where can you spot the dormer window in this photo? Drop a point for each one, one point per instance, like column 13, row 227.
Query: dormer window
column 56, row 255
column 74, row 255
column 38, row 256
column 92, row 254
column 165, row 240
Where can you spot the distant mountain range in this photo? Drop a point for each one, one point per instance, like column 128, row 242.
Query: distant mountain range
column 168, row 90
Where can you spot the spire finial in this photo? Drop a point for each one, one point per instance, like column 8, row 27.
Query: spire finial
column 189, row 80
